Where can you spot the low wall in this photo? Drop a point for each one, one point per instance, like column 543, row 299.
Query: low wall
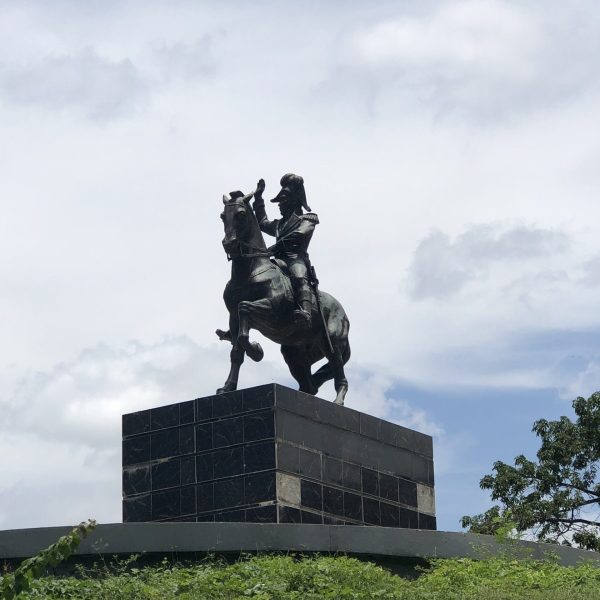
column 180, row 539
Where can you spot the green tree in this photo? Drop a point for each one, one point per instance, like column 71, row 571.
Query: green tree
column 557, row 496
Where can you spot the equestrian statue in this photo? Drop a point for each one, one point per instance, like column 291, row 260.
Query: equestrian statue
column 280, row 296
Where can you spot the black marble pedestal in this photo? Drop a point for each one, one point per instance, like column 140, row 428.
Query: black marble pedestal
column 272, row 454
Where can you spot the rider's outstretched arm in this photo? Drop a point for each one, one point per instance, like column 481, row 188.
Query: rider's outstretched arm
column 269, row 227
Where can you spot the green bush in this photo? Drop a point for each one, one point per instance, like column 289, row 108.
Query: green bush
column 310, row 578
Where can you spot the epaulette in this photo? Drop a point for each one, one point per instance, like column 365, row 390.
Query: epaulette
column 312, row 217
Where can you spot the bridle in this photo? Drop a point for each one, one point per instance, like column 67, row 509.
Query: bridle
column 257, row 252
column 254, row 252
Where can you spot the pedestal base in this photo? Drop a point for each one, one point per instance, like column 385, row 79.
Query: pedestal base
column 274, row 455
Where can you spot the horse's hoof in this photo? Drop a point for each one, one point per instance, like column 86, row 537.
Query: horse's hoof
column 341, row 395
column 223, row 390
column 224, row 336
column 255, row 352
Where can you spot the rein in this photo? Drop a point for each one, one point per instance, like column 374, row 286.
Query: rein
column 258, row 252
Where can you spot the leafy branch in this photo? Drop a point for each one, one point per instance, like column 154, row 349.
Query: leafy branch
column 13, row 584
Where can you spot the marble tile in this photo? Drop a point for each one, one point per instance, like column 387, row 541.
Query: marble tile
column 289, row 514
column 188, row 500
column 259, row 397
column 259, row 487
column 262, row 514
column 371, row 511
column 205, row 497
column 204, row 437
column 259, row 457
column 136, row 450
column 288, row 457
column 204, row 408
column 370, row 481
column 407, row 492
column 165, row 443
column 164, row 416
column 136, row 480
column 309, row 463
column 333, row 501
column 229, row 492
column 166, row 504
column 388, row 487
column 353, row 506
column 311, row 518
column 137, row 509
column 135, row 423
column 227, row 404
column 188, row 470
column 390, row 515
column 227, row 432
column 228, row 462
column 351, row 476
column 187, row 412
column 311, row 495
column 187, row 443
column 259, row 426
column 332, row 470
column 409, row 518
column 166, row 474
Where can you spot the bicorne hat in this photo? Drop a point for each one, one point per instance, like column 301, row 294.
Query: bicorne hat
column 295, row 185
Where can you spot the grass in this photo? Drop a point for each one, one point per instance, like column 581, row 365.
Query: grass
column 268, row 577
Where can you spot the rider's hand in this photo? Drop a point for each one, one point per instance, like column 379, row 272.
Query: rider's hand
column 260, row 188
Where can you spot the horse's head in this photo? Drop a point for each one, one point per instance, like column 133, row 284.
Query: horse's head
column 237, row 219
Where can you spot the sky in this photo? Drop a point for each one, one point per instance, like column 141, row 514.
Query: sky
column 450, row 149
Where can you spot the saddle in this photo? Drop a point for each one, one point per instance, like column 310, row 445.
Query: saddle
column 282, row 266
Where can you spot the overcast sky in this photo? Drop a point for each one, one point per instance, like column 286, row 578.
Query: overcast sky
column 451, row 150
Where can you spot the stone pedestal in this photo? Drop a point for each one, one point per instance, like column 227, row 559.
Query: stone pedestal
column 274, row 455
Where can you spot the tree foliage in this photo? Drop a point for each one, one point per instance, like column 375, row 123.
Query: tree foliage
column 557, row 496
column 15, row 583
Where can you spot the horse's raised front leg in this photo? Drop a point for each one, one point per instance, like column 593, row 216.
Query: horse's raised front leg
column 248, row 311
column 236, row 357
column 224, row 336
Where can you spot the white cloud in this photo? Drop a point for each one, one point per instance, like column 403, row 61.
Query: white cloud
column 183, row 61
column 442, row 267
column 492, row 39
column 478, row 59
column 591, row 272
column 99, row 87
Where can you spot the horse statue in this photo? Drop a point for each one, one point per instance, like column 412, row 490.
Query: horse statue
column 259, row 296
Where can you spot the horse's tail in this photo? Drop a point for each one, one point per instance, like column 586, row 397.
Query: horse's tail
column 346, row 352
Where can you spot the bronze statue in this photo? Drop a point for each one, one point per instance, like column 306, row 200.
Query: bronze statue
column 293, row 233
column 280, row 297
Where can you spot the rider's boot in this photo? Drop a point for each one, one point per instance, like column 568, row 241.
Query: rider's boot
column 303, row 293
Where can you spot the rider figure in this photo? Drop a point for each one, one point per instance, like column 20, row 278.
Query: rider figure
column 293, row 233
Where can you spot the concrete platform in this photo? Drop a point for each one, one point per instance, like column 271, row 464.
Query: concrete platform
column 181, row 540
